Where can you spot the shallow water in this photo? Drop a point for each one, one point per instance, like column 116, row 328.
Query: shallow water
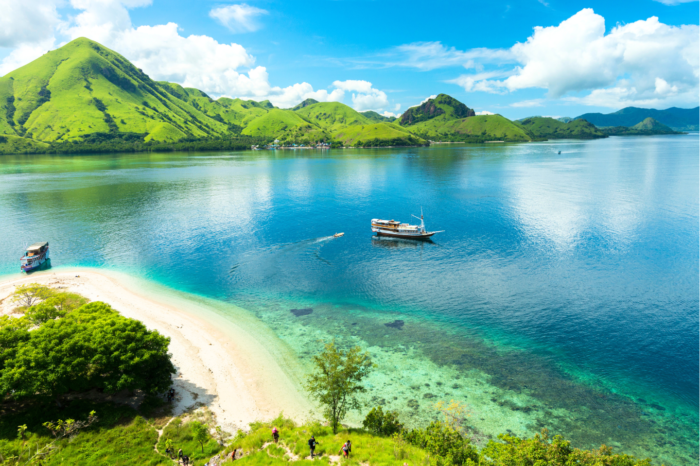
column 562, row 294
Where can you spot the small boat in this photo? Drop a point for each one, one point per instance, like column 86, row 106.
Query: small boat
column 402, row 230
column 338, row 235
column 37, row 254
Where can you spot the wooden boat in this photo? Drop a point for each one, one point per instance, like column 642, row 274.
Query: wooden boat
column 338, row 235
column 402, row 230
column 37, row 254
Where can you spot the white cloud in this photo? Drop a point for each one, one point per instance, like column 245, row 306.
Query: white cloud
column 485, row 112
column 431, row 55
column 164, row 54
column 643, row 60
column 367, row 97
column 674, row 2
column 239, row 18
column 27, row 22
column 528, row 103
column 390, row 114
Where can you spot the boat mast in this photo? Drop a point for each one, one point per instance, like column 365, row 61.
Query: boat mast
column 422, row 224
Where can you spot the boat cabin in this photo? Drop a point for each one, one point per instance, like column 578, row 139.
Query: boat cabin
column 37, row 249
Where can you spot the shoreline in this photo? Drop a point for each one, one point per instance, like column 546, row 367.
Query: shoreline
column 234, row 365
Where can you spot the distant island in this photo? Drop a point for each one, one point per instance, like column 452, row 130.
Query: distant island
column 678, row 119
column 84, row 97
column 648, row 126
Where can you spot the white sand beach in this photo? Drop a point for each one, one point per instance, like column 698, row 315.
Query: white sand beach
column 230, row 363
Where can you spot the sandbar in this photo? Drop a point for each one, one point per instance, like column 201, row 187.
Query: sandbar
column 226, row 359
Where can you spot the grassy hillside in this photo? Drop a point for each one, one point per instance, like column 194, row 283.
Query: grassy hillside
column 84, row 88
column 479, row 128
column 284, row 125
column 332, row 115
column 374, row 116
column 680, row 119
column 16, row 145
column 377, row 134
column 544, row 127
column 443, row 108
column 647, row 127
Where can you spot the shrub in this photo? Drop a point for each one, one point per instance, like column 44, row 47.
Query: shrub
column 381, row 423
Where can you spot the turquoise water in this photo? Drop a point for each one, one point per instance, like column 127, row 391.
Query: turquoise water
column 562, row 294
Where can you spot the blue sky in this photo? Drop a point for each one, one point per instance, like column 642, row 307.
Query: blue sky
column 389, row 55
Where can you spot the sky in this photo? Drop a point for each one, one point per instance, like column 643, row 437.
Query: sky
column 517, row 58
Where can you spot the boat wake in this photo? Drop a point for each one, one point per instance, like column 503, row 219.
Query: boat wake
column 279, row 259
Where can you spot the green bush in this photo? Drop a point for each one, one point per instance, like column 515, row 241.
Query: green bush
column 446, row 444
column 381, row 423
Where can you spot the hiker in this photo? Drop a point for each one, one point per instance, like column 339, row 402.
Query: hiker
column 275, row 434
column 179, row 455
column 344, row 450
column 312, row 445
column 233, row 454
column 185, row 460
column 349, row 448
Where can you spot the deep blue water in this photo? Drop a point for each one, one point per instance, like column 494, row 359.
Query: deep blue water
column 586, row 261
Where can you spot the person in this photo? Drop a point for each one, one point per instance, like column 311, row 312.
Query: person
column 275, row 434
column 344, row 450
column 233, row 454
column 349, row 448
column 179, row 455
column 312, row 445
column 185, row 460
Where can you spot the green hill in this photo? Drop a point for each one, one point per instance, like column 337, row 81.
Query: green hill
column 374, row 116
column 479, row 128
column 376, row 135
column 305, row 103
column 285, row 125
column 442, row 107
column 83, row 88
column 544, row 127
column 680, row 119
column 332, row 115
column 647, row 127
column 16, row 145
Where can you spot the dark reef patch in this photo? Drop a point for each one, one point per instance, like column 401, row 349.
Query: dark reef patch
column 301, row 312
column 397, row 324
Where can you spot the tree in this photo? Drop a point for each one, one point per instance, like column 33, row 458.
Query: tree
column 43, row 312
column 381, row 423
column 200, row 433
column 91, row 347
column 28, row 295
column 338, row 381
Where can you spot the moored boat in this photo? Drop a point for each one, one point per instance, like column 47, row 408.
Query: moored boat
column 402, row 230
column 36, row 255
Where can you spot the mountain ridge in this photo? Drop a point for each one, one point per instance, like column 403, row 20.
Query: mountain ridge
column 677, row 118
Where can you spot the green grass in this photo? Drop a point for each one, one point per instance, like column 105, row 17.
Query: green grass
column 84, row 88
column 550, row 128
column 332, row 115
column 284, row 125
column 377, row 134
column 374, row 116
column 366, row 448
column 183, row 438
column 17, row 145
column 121, row 436
column 480, row 128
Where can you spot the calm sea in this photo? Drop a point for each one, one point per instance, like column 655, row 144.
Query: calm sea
column 563, row 292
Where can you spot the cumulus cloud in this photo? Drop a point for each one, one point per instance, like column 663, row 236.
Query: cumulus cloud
column 239, row 18
column 27, row 22
column 390, row 114
column 485, row 112
column 164, row 53
column 639, row 61
column 364, row 96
